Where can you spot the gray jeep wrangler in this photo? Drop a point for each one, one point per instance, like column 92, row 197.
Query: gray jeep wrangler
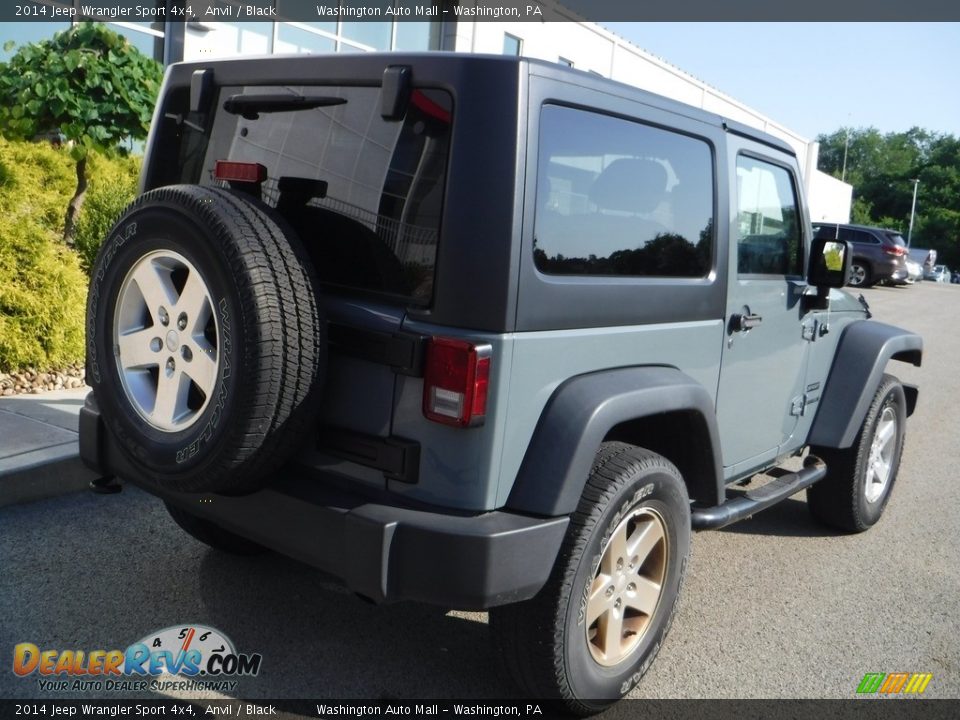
column 485, row 333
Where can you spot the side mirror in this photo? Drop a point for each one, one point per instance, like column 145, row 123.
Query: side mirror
column 829, row 264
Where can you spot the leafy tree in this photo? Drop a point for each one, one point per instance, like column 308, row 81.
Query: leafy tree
column 88, row 84
column 861, row 212
column 881, row 169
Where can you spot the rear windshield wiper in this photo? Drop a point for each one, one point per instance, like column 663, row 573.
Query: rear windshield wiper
column 250, row 106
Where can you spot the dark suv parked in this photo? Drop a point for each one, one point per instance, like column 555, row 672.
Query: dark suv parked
column 878, row 255
column 481, row 332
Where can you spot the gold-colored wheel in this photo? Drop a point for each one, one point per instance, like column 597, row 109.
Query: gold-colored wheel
column 594, row 629
column 627, row 586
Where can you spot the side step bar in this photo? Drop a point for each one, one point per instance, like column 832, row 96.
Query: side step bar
column 712, row 518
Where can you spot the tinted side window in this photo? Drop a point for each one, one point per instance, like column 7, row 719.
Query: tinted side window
column 848, row 235
column 616, row 197
column 828, row 232
column 769, row 241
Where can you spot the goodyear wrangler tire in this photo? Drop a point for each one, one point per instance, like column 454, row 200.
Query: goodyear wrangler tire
column 860, row 478
column 590, row 634
column 205, row 344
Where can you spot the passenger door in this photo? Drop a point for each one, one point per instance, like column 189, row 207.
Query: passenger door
column 764, row 353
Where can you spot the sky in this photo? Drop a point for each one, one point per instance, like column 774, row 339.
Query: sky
column 818, row 77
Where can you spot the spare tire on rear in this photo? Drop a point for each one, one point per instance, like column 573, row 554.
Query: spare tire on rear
column 205, row 345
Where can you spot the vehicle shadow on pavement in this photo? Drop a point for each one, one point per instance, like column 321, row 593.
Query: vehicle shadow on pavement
column 789, row 518
column 92, row 571
column 318, row 639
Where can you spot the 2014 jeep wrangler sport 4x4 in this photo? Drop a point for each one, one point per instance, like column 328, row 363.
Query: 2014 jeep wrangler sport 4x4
column 481, row 332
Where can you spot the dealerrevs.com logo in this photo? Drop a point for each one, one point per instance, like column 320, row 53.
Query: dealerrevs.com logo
column 202, row 657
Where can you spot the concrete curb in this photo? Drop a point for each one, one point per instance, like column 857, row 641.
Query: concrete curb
column 39, row 448
column 43, row 474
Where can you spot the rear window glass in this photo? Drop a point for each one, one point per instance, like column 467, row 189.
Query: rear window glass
column 364, row 194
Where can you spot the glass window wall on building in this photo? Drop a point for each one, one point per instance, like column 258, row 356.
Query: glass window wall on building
column 512, row 45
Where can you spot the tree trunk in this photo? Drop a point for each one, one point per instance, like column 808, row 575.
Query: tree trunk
column 76, row 202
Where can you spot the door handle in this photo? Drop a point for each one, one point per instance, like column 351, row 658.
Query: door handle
column 740, row 322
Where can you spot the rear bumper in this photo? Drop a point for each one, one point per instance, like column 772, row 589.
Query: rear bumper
column 900, row 277
column 381, row 551
column 889, row 268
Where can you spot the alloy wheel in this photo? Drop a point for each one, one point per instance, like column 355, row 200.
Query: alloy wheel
column 166, row 340
column 881, row 455
column 627, row 586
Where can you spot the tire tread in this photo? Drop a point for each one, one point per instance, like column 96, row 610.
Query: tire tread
column 537, row 665
column 834, row 501
column 282, row 358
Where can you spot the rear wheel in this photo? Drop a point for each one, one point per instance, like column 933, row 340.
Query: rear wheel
column 595, row 628
column 205, row 345
column 860, row 274
column 860, row 478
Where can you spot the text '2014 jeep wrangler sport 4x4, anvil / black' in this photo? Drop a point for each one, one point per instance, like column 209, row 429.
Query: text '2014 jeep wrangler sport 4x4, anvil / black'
column 481, row 332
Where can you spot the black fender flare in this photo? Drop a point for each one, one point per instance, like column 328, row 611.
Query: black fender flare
column 580, row 414
column 864, row 349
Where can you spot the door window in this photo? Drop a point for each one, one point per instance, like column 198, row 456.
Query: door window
column 769, row 239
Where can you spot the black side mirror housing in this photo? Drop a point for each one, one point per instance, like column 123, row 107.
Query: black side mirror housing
column 829, row 263
column 829, row 267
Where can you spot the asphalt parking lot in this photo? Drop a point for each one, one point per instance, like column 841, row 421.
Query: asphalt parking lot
column 774, row 607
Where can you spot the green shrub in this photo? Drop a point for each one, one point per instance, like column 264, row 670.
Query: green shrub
column 42, row 299
column 36, row 181
column 42, row 288
column 113, row 185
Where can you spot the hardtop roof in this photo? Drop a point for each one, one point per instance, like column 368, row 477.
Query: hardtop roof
column 372, row 64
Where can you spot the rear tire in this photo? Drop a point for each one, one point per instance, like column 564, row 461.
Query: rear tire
column 591, row 633
column 860, row 478
column 205, row 345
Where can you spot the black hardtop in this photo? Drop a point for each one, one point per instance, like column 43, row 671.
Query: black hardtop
column 332, row 68
column 478, row 278
column 475, row 283
column 367, row 69
column 616, row 87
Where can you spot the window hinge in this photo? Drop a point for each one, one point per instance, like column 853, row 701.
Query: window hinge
column 797, row 406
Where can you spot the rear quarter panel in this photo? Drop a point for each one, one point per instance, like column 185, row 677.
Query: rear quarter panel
column 474, row 468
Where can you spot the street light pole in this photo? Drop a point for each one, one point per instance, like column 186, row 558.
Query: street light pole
column 846, row 145
column 913, row 207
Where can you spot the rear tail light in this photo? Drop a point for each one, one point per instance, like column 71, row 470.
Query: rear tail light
column 455, row 382
column 239, row 172
column 894, row 250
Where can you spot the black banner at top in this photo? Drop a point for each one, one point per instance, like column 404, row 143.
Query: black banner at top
column 477, row 10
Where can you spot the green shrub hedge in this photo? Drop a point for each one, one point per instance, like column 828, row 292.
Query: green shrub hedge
column 42, row 286
column 113, row 185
